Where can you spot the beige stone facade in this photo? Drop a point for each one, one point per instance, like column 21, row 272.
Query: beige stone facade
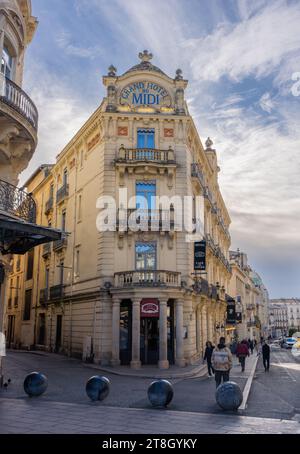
column 251, row 296
column 88, row 296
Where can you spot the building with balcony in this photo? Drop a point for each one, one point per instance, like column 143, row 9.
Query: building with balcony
column 252, row 299
column 19, row 229
column 284, row 316
column 130, row 292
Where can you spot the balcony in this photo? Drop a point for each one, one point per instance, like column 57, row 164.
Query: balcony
column 44, row 295
column 46, row 249
column 214, row 294
column 198, row 174
column 147, row 278
column 60, row 244
column 154, row 220
column 62, row 193
column 146, row 160
column 201, row 286
column 17, row 203
column 17, row 99
column 57, row 292
column 49, row 206
column 146, row 155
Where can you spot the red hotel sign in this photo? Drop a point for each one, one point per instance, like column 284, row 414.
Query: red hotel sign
column 149, row 308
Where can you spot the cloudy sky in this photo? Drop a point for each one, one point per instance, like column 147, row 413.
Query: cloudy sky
column 240, row 58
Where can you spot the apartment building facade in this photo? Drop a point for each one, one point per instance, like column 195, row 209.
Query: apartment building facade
column 128, row 296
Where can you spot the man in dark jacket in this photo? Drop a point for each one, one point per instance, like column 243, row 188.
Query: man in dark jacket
column 266, row 356
column 207, row 356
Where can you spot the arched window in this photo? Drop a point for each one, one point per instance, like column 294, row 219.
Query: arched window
column 7, row 63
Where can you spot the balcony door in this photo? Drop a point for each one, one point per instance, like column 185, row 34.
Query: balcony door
column 145, row 196
column 145, row 256
column 145, row 143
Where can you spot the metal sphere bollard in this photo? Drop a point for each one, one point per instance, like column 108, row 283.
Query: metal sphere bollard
column 97, row 388
column 229, row 396
column 35, row 384
column 160, row 393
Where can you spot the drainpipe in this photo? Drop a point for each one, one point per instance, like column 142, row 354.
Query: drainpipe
column 37, row 281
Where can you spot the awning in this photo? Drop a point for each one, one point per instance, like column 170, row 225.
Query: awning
column 18, row 237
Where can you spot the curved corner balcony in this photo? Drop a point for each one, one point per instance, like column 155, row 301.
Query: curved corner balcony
column 18, row 126
column 13, row 96
column 16, row 203
column 147, row 278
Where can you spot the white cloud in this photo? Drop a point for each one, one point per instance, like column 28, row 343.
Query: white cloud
column 64, row 41
column 254, row 46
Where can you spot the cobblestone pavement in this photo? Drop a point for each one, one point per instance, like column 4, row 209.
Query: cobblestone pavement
column 37, row 416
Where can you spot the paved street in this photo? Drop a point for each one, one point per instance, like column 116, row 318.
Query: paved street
column 65, row 407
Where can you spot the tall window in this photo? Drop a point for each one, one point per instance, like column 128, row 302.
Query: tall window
column 7, row 63
column 79, row 207
column 27, row 307
column 77, row 262
column 145, row 195
column 61, row 273
column 51, row 191
column 47, row 274
column 145, row 138
column 30, row 257
column 145, row 256
column 65, row 178
column 63, row 221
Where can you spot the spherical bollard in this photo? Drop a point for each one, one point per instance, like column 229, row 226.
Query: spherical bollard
column 35, row 384
column 160, row 393
column 229, row 396
column 97, row 388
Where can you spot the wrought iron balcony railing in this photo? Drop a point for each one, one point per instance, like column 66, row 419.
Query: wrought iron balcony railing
column 16, row 98
column 155, row 220
column 146, row 154
column 49, row 205
column 57, row 291
column 46, row 249
column 197, row 173
column 148, row 278
column 201, row 286
column 60, row 244
column 44, row 295
column 62, row 193
column 15, row 202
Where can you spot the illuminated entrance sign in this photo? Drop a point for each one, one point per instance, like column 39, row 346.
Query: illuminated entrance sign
column 149, row 308
column 145, row 94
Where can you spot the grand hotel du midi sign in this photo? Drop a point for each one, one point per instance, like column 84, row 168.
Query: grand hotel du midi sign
column 145, row 94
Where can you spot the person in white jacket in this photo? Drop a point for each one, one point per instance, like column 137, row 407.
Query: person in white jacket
column 222, row 362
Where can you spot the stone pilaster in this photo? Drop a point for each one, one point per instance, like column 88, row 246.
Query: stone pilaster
column 136, row 334
column 163, row 362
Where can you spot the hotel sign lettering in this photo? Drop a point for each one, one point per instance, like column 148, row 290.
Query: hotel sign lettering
column 145, row 94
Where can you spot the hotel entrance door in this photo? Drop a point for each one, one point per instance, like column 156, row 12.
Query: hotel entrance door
column 149, row 340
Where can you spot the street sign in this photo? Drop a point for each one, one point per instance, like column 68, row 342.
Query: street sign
column 200, row 256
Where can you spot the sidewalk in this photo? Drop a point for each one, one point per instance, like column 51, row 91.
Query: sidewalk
column 36, row 416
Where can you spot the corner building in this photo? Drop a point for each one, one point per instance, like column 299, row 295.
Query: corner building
column 124, row 297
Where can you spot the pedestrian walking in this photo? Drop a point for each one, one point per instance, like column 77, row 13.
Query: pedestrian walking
column 242, row 352
column 266, row 356
column 222, row 362
column 207, row 357
column 251, row 346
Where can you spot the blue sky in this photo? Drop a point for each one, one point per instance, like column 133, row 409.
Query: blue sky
column 239, row 57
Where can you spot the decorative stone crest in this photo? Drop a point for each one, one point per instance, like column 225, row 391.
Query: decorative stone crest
column 209, row 143
column 112, row 70
column 145, row 56
column 179, row 74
